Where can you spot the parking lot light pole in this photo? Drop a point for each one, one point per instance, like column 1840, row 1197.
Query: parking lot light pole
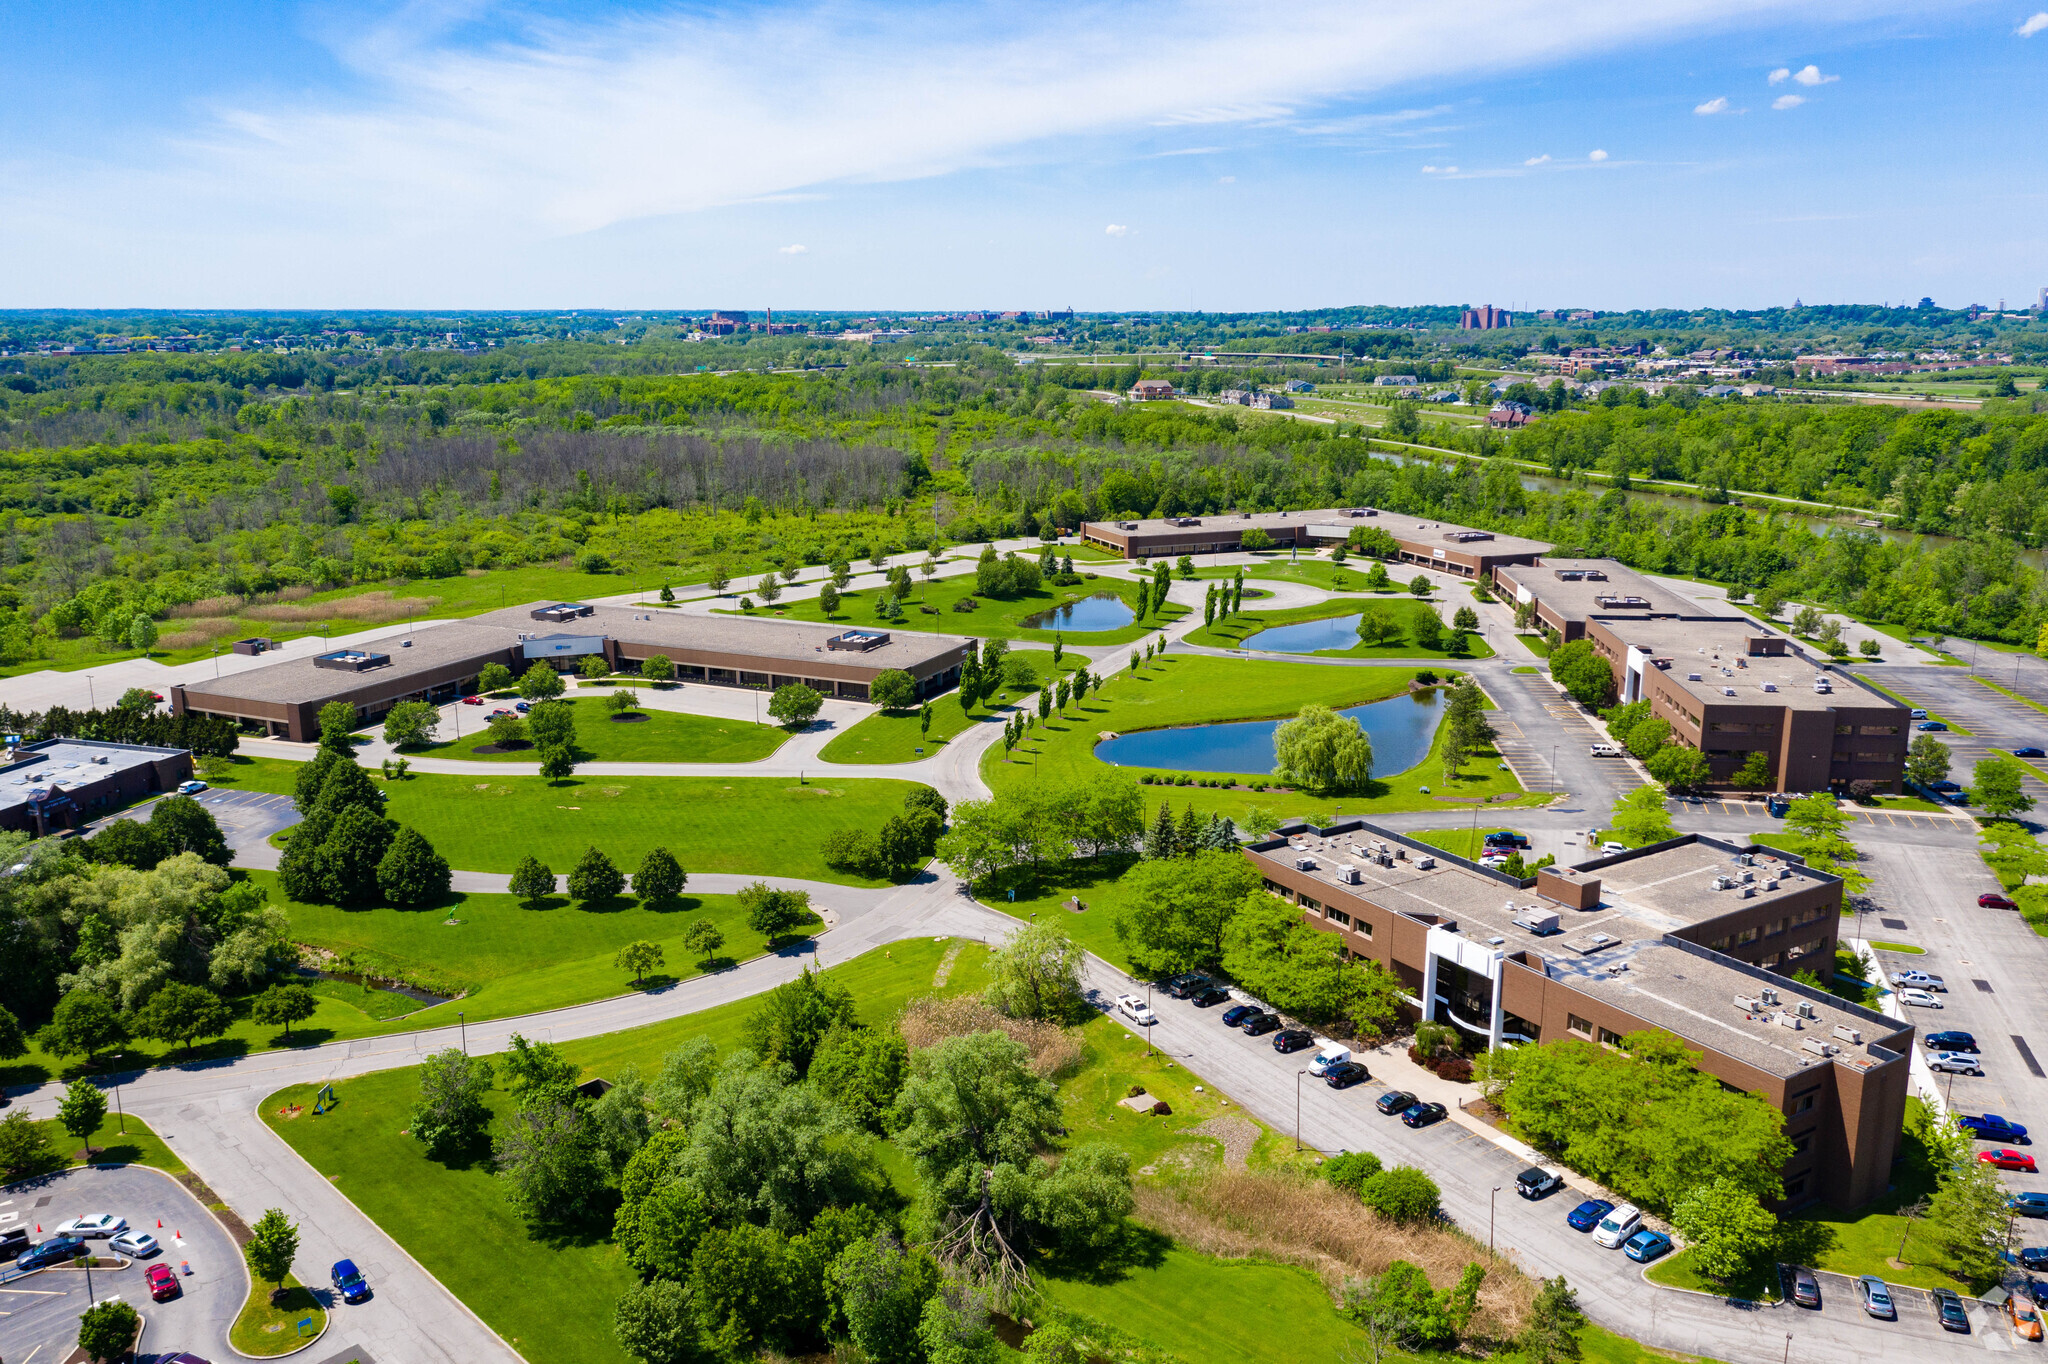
column 463, row 1023
column 1491, row 1200
column 1297, row 1108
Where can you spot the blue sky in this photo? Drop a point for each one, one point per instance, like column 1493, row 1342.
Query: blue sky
column 1602, row 153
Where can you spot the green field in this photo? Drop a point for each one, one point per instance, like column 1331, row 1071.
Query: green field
column 1468, row 842
column 119, row 1141
column 894, row 736
column 1190, row 690
column 930, row 607
column 1314, row 571
column 1236, row 632
column 662, row 736
column 1211, row 1311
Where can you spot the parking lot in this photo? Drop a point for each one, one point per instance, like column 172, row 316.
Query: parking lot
column 39, row 1312
column 246, row 818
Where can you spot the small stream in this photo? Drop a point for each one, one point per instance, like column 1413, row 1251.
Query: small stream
column 426, row 999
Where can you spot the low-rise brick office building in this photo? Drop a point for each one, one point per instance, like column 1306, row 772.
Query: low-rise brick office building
column 1455, row 549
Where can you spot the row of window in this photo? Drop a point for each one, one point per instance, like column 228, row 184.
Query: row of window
column 1860, row 756
column 1866, row 730
column 1606, row 1037
column 1335, row 916
column 1741, row 727
column 1768, row 930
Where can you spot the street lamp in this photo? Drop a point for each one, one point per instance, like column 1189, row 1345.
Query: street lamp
column 89, row 692
column 463, row 1023
column 1297, row 1108
column 1491, row 1200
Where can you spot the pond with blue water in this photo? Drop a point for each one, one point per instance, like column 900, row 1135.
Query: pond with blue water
column 1400, row 727
column 1309, row 636
column 1102, row 611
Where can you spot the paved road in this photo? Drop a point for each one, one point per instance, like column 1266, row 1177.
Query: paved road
column 39, row 1314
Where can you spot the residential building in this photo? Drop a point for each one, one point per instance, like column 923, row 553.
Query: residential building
column 1695, row 937
column 437, row 665
column 1432, row 544
column 1300, row 385
column 1510, row 414
column 1394, row 381
column 67, row 783
column 1151, row 390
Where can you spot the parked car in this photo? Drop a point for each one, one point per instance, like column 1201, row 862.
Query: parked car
column 1922, row 980
column 1991, row 1127
column 349, row 1281
column 1188, row 983
column 2023, row 1316
column 1394, row 1101
column 1330, row 1055
column 1259, row 1024
column 1948, row 1310
column 2029, row 1204
column 56, row 1250
column 1919, row 999
column 13, row 1241
column 1944, row 785
column 1617, row 1226
column 2005, row 1158
column 92, row 1224
column 1137, row 1010
column 1587, row 1215
column 1951, row 1040
column 499, row 711
column 2029, row 752
column 1954, row 1062
column 1646, row 1245
column 1989, row 900
column 2028, row 1257
column 1537, row 1182
column 163, row 1283
column 191, row 788
column 1345, row 1074
column 1606, row 750
column 1877, row 1297
column 472, row 700
column 1805, row 1288
column 1931, row 727
column 522, row 706
column 136, row 1245
column 1423, row 1114
column 1506, row 838
column 1919, row 714
column 1238, row 1013
column 1290, row 1040
column 1610, row 846
column 1203, row 999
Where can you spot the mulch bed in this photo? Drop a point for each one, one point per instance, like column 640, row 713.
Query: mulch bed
column 516, row 746
column 629, row 718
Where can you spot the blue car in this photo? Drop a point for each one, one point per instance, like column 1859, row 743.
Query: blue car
column 1587, row 1215
column 1646, row 1245
column 55, row 1251
column 1991, row 1127
column 2029, row 1204
column 522, row 706
column 1931, row 727
column 349, row 1281
column 1238, row 1013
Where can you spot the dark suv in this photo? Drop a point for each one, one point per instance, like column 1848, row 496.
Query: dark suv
column 13, row 1241
column 1180, row 987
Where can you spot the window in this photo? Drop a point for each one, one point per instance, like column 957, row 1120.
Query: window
column 1578, row 1025
column 1719, row 944
column 1845, row 729
column 1795, row 1188
column 1728, row 727
column 1362, row 928
column 1307, row 903
column 1878, row 729
column 1337, row 916
column 1804, row 1103
column 1745, row 937
column 1802, row 1143
column 1780, row 927
column 1609, row 1038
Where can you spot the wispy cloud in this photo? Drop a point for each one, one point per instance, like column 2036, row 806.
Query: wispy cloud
column 1788, row 101
column 1117, row 230
column 1439, row 170
column 1191, row 151
column 794, row 249
column 2033, row 25
column 1596, row 155
column 1537, row 160
column 1716, row 105
column 1781, row 75
column 1226, row 179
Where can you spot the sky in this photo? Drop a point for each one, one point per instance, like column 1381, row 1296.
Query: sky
column 1206, row 155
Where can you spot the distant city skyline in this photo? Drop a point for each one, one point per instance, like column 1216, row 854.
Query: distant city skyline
column 464, row 154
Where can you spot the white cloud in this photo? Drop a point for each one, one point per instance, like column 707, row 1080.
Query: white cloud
column 1782, row 74
column 1191, row 151
column 1537, row 160
column 1788, row 101
column 1439, row 170
column 1226, row 179
column 1716, row 105
column 1810, row 75
column 2033, row 25
column 1596, row 155
column 1117, row 230
column 795, row 249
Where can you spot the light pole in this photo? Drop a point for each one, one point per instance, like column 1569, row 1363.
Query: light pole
column 89, row 692
column 463, row 1023
column 122, row 1118
column 1491, row 1200
column 1149, row 1027
column 1788, row 1347
column 1297, row 1108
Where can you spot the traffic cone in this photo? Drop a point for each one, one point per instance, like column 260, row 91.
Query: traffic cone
column 159, row 1224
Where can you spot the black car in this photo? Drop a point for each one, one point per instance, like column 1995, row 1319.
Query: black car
column 1422, row 1115
column 1506, row 838
column 1394, row 1101
column 2029, row 753
column 1291, row 1039
column 1952, row 1041
column 1260, row 1024
column 1211, row 995
column 1236, row 1014
column 1182, row 986
column 55, row 1251
column 1345, row 1074
column 1537, row 1182
column 1948, row 1310
column 13, row 1241
column 2031, row 1257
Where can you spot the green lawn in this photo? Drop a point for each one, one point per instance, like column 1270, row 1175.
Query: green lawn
column 894, row 736
column 930, row 608
column 1538, row 645
column 767, row 825
column 551, row 1299
column 119, row 1141
column 1468, row 842
column 1313, row 572
column 1187, row 690
column 660, row 736
column 1676, row 1271
column 1211, row 1311
column 1236, row 631
column 265, row 1329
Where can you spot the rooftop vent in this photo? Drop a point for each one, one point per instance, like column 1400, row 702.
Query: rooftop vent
column 1425, row 864
column 1727, row 691
column 1818, row 1047
column 1770, row 686
column 1348, row 875
column 1850, row 1035
column 1304, row 864
column 1542, row 922
column 1788, row 1020
column 1593, row 942
column 1692, row 677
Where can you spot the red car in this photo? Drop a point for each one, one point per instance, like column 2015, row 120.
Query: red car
column 163, row 1284
column 2005, row 1158
column 1990, row 901
column 472, row 700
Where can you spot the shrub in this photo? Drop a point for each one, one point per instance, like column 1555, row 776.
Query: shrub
column 1350, row 1170
column 1402, row 1194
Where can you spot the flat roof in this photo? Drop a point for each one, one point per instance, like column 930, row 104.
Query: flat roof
column 791, row 641
column 1401, row 527
column 1710, row 659
column 1618, row 949
column 1577, row 598
column 301, row 679
column 71, row 763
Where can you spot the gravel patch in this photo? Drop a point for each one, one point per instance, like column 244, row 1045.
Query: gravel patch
column 1238, row 1135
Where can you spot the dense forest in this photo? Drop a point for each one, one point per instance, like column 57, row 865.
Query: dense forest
column 182, row 485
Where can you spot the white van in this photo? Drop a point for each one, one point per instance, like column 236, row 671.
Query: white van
column 1332, row 1053
column 1607, row 750
column 1618, row 1226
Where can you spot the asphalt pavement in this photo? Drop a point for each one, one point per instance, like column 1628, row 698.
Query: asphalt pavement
column 39, row 1313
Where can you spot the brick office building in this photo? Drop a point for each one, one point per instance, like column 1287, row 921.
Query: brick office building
column 1696, row 937
column 1461, row 550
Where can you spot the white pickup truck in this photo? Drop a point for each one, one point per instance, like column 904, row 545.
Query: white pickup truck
column 1607, row 750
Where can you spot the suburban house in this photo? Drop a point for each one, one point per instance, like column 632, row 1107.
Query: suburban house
column 1151, row 390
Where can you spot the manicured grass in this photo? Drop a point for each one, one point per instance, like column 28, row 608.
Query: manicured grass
column 766, row 825
column 894, row 736
column 552, row 1299
column 1526, row 668
column 1468, row 843
column 1601, row 1346
column 930, row 607
column 1909, row 804
column 1315, row 572
column 1188, row 690
column 1791, row 843
column 663, row 736
column 264, row 1329
column 1676, row 1271
column 1235, row 632
column 1211, row 1311
column 1907, row 948
column 1538, row 645
column 119, row 1141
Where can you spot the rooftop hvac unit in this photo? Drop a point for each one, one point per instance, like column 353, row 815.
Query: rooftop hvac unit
column 1748, row 891
column 1787, row 1020
column 1747, row 876
column 101, row 760
column 1348, row 875
column 1425, row 864
column 1538, row 920
column 1818, row 1047
column 1400, row 853
column 1850, row 1035
column 1386, row 861
column 1304, row 864
column 1768, row 994
column 1770, row 686
column 1722, row 883
column 1806, row 1008
column 1693, row 677
column 1771, row 884
column 1727, row 691
column 1749, row 1004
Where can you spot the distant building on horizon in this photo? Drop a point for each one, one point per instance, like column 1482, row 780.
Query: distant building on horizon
column 1485, row 318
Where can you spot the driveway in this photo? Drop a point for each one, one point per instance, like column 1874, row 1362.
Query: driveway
column 39, row 1313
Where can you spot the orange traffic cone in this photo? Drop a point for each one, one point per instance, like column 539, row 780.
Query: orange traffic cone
column 159, row 1224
